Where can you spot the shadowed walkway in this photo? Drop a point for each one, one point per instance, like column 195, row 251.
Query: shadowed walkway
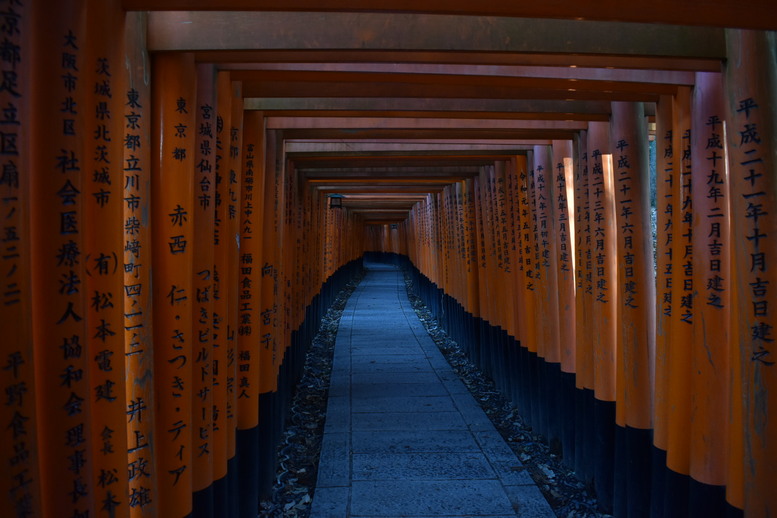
column 403, row 435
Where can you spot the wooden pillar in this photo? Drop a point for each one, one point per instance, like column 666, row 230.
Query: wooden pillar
column 563, row 201
column 220, row 291
column 682, row 325
column 529, row 266
column 104, row 246
column 232, row 143
column 710, row 365
column 471, row 251
column 636, row 307
column 174, row 105
column 516, row 283
column 666, row 275
column 138, row 328
column 202, row 308
column 269, row 322
column 603, row 250
column 58, row 195
column 584, row 301
column 250, row 291
column 19, row 478
column 485, row 283
column 751, row 98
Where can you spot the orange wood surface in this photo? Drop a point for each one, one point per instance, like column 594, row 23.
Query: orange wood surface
column 19, row 478
column 751, row 139
column 563, row 200
column 174, row 105
column 232, row 143
column 603, row 258
column 137, row 261
column 636, row 284
column 221, row 273
column 104, row 249
column 679, row 416
column 710, row 357
column 204, row 214
column 250, row 284
column 547, row 314
column 666, row 267
column 58, row 190
column 584, row 298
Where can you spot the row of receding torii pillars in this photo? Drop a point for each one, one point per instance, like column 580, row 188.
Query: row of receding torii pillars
column 117, row 348
column 160, row 274
column 668, row 354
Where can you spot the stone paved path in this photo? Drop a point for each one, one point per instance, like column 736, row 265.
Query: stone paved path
column 403, row 435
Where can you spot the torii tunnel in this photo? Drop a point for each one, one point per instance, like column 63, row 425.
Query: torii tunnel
column 167, row 247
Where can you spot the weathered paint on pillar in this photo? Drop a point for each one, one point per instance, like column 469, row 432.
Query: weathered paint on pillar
column 105, row 78
column 710, row 365
column 174, row 106
column 138, row 323
column 19, row 478
column 751, row 95
column 58, row 173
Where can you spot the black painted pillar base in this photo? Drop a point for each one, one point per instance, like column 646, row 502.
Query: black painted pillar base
column 248, row 472
column 202, row 503
column 604, row 456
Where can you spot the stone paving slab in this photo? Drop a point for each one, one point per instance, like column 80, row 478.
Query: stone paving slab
column 429, row 498
column 393, row 403
column 422, row 466
column 369, row 390
column 390, row 421
column 403, row 436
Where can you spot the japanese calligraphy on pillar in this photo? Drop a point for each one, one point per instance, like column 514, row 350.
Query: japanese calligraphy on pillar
column 685, row 229
column 202, row 282
column 250, row 268
column 173, row 181
column 18, row 453
column 562, row 209
column 715, row 190
column 237, row 306
column 750, row 129
column 584, row 269
column 527, row 217
column 71, row 266
column 137, row 282
column 104, row 259
column 664, row 217
column 756, row 186
column 598, row 195
column 624, row 180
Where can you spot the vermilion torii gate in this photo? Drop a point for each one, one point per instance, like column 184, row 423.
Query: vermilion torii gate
column 167, row 249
